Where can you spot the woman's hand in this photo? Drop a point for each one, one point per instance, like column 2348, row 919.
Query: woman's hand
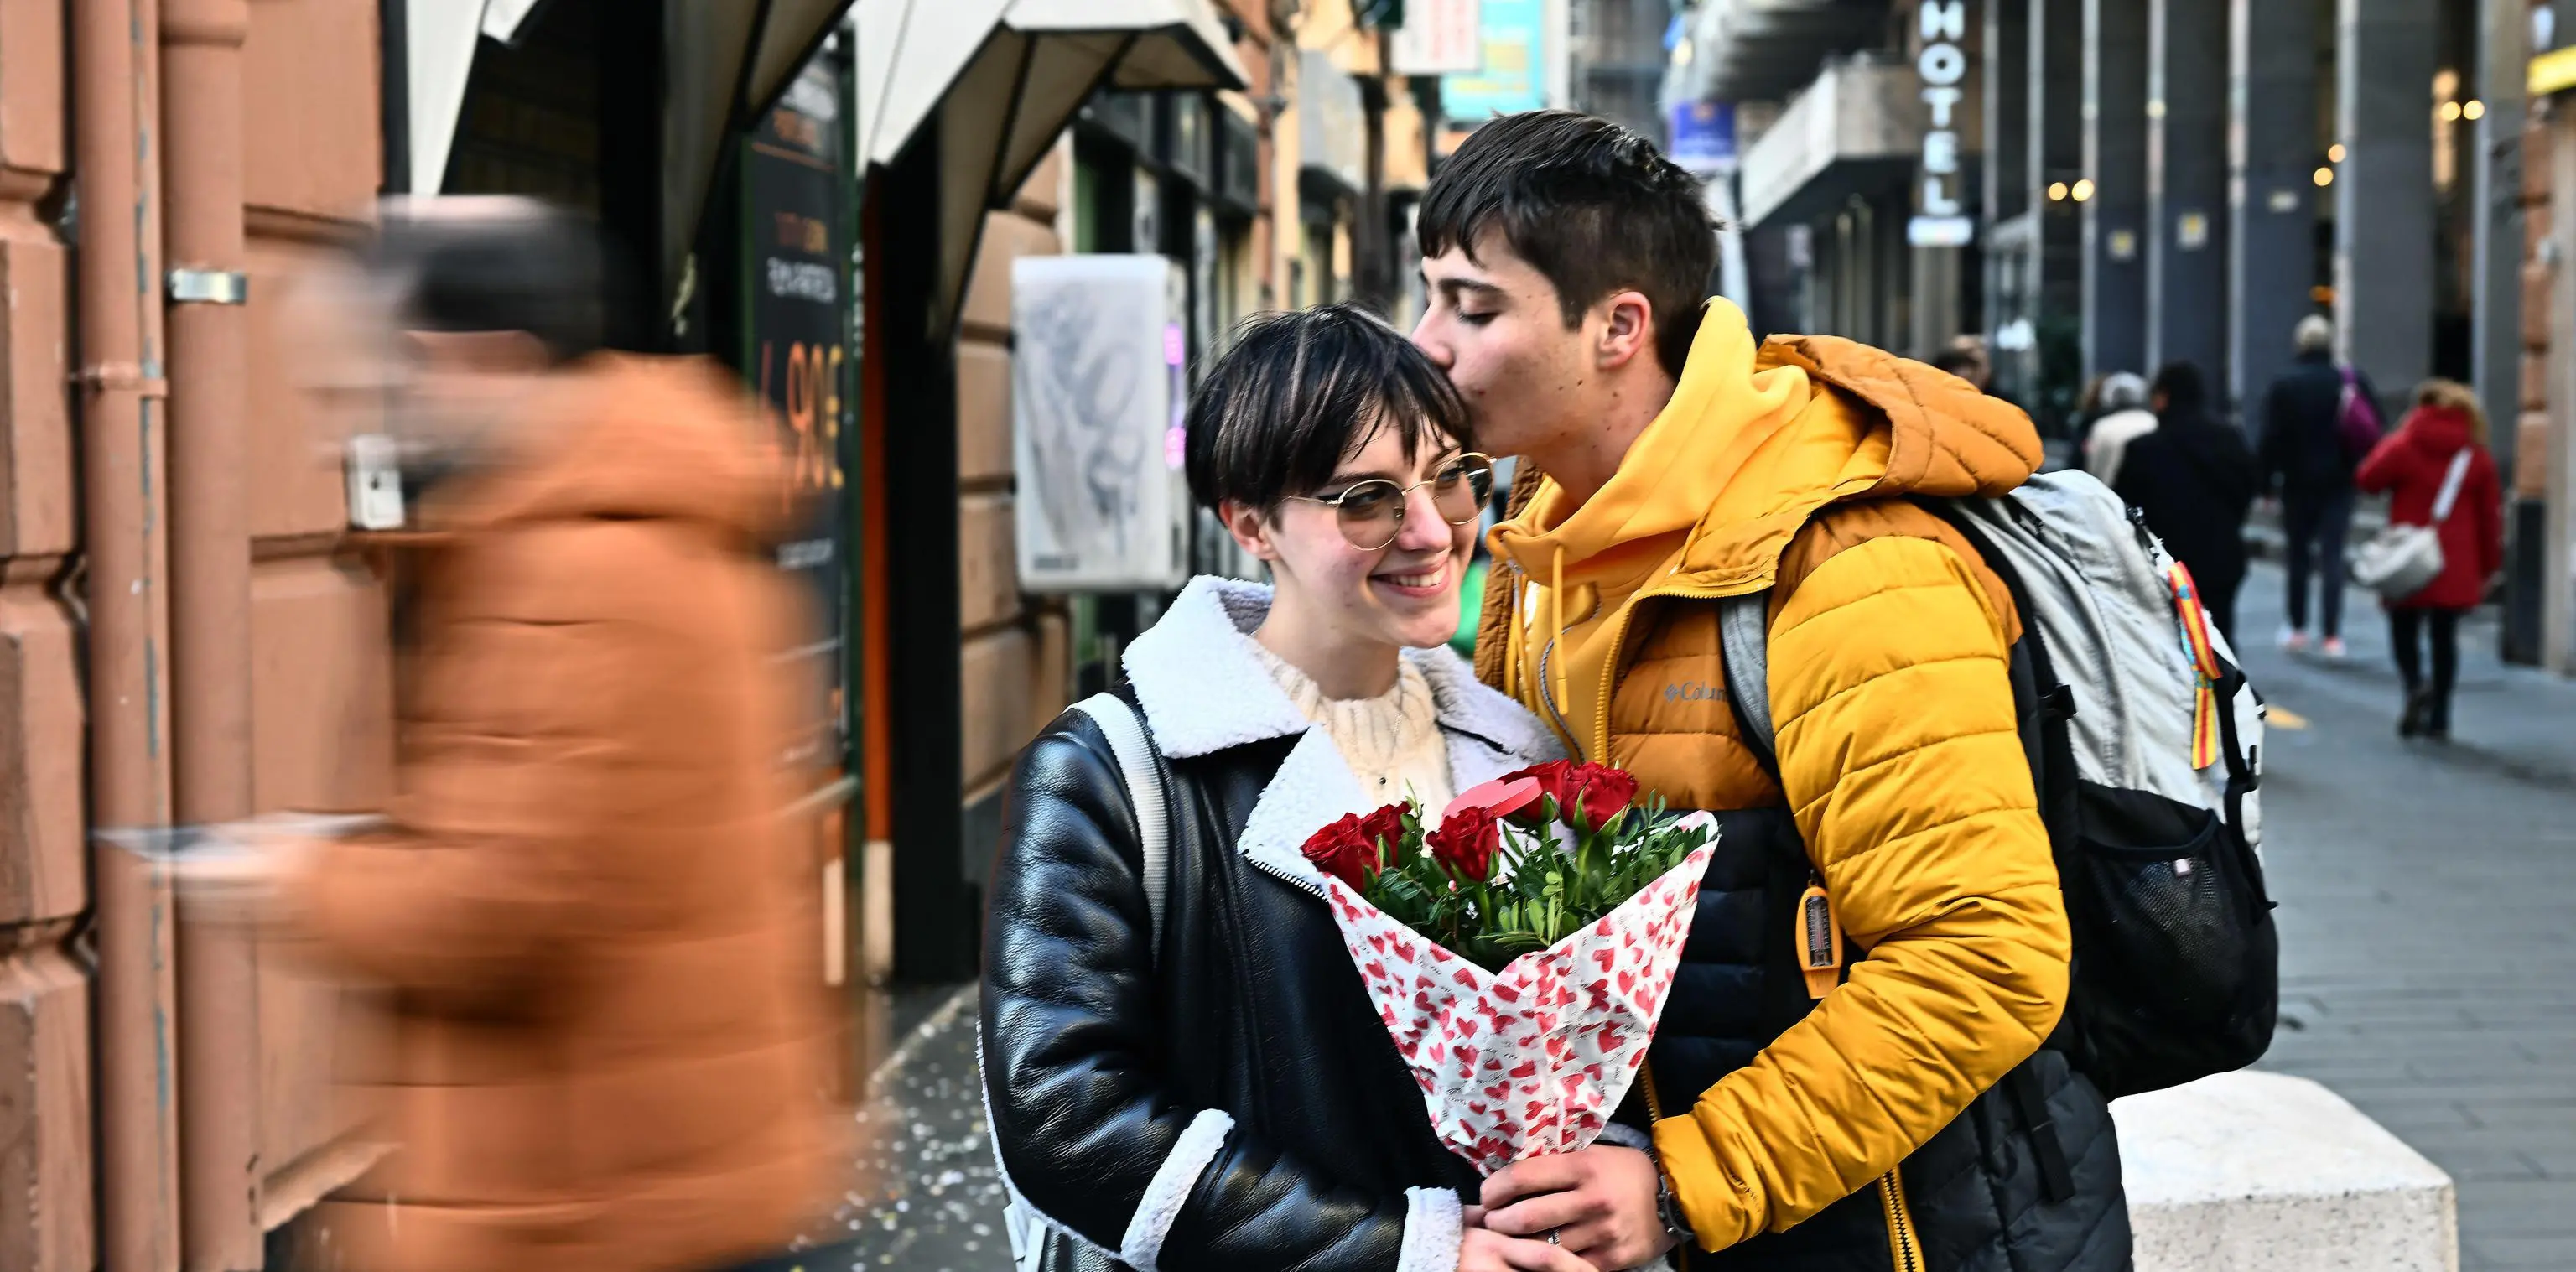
column 1484, row 1250
column 1599, row 1202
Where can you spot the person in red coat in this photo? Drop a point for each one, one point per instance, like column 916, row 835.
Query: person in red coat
column 2411, row 465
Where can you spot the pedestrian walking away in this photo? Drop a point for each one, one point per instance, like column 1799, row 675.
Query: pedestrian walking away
column 2194, row 480
column 2124, row 419
column 2318, row 420
column 2437, row 471
column 1182, row 1069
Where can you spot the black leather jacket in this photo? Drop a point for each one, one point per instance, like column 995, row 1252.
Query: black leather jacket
column 1230, row 1101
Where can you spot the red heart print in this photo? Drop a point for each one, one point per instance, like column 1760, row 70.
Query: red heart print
column 1526, row 1069
column 1603, row 956
column 1464, row 978
column 1377, row 941
column 1504, row 990
column 1627, row 981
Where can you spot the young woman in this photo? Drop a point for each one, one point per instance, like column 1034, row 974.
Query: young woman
column 1225, row 1097
column 2414, row 465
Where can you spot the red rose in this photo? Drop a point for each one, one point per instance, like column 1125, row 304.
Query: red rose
column 1343, row 850
column 1466, row 843
column 1593, row 792
column 1384, row 831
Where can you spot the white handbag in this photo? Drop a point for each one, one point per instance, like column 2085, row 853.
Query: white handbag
column 2400, row 561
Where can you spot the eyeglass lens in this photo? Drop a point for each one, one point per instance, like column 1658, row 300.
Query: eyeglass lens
column 1372, row 512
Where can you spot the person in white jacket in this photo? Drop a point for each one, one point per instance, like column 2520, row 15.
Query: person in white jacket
column 2125, row 419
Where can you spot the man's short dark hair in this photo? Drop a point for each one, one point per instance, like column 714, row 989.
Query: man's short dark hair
column 496, row 265
column 1588, row 203
column 1963, row 363
column 1300, row 392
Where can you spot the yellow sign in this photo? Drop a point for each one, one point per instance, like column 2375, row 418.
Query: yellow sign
column 2552, row 72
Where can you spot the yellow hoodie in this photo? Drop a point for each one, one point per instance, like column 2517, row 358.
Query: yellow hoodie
column 1786, row 467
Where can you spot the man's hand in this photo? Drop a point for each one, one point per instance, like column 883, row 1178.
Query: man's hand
column 1600, row 1202
column 1483, row 1250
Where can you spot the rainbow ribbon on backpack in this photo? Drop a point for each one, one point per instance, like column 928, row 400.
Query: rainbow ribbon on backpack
column 2194, row 615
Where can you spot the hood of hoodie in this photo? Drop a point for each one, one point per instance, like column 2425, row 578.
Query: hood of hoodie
column 627, row 437
column 2436, row 432
column 1754, row 442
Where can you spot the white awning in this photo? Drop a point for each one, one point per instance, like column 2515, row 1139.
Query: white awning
column 1011, row 73
column 727, row 61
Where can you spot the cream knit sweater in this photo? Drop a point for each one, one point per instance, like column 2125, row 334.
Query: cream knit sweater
column 1392, row 742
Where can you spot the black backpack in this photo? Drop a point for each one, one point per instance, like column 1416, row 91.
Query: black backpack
column 2145, row 747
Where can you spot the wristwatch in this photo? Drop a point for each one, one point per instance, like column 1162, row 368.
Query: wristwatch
column 1669, row 1208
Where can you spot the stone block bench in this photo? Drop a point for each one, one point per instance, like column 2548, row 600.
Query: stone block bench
column 2262, row 1172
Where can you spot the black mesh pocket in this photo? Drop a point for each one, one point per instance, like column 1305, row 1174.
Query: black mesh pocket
column 2174, row 957
column 2173, row 926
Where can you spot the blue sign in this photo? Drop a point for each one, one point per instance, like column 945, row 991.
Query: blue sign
column 1704, row 136
column 1514, row 76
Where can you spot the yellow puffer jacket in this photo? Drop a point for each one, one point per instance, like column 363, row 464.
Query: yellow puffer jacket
column 1785, row 468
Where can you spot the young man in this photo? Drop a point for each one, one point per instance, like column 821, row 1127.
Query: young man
column 1798, row 1120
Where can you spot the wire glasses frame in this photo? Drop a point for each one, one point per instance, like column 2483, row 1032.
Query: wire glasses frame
column 1372, row 511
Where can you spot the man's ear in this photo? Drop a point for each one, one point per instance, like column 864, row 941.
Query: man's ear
column 1251, row 530
column 1628, row 328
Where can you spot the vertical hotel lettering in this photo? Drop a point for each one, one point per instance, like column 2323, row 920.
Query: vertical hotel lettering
column 1942, row 65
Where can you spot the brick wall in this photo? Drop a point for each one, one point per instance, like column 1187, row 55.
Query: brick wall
column 1016, row 666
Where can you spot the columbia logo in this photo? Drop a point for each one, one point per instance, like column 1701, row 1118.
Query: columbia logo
column 1693, row 691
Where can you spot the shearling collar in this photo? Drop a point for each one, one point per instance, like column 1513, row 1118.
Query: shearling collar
column 1204, row 690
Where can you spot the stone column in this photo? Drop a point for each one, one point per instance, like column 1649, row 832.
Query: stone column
column 2385, row 54
column 2115, row 206
column 2273, row 195
column 2187, row 185
column 2056, row 164
column 2008, row 127
column 2496, row 330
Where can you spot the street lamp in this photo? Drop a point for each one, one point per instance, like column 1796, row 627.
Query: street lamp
column 2083, row 189
column 2057, row 191
column 2325, row 177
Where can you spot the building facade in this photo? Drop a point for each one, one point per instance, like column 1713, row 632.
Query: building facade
column 2177, row 181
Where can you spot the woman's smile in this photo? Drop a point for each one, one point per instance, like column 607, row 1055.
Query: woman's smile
column 1417, row 582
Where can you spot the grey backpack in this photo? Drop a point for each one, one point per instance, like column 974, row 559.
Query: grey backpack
column 2146, row 755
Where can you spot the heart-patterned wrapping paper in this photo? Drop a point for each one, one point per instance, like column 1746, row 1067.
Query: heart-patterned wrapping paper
column 1533, row 1059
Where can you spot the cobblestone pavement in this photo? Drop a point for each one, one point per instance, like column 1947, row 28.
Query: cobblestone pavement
column 2428, row 961
column 926, row 1196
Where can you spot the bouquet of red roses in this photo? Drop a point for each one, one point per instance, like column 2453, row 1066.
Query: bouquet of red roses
column 1520, row 950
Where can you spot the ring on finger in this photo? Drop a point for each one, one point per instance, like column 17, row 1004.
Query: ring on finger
column 1555, row 1236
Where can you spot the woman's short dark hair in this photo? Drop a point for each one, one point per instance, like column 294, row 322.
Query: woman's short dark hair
column 1300, row 392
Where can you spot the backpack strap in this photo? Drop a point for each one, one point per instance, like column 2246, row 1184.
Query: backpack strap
column 1744, row 640
column 1125, row 728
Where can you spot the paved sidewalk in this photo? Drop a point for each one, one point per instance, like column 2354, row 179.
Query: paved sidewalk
column 2428, row 961
column 928, row 1196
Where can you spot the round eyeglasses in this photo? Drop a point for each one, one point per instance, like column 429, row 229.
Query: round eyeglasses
column 1372, row 511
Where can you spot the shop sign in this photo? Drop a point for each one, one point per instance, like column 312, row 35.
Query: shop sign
column 1508, row 76
column 797, row 217
column 1704, row 136
column 1439, row 37
column 1940, row 215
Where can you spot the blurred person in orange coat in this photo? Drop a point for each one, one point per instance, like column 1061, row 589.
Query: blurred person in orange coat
column 600, row 934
